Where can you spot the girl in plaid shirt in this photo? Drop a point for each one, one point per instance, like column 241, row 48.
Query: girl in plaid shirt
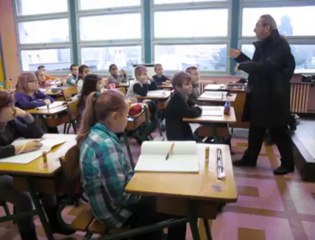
column 105, row 170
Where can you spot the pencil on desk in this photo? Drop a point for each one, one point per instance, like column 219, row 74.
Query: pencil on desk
column 169, row 151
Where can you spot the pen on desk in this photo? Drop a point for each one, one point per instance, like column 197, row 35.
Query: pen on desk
column 169, row 151
column 220, row 171
column 47, row 106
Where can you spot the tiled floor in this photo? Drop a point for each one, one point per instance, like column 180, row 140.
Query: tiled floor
column 268, row 207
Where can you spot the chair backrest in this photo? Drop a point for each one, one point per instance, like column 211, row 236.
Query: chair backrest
column 70, row 165
column 68, row 92
column 73, row 109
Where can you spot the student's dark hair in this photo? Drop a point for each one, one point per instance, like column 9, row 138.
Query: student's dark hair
column 73, row 65
column 189, row 69
column 40, row 67
column 180, row 78
column 81, row 68
column 111, row 66
column 98, row 107
column 89, row 85
column 6, row 99
column 157, row 65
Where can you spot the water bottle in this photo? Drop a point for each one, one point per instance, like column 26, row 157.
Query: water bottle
column 227, row 108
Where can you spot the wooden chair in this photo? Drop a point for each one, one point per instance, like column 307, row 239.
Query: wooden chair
column 85, row 221
column 69, row 92
column 73, row 114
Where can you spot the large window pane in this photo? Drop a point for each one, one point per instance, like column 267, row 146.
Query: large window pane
column 122, row 26
column 53, row 59
column 304, row 56
column 30, row 7
column 184, row 1
column 191, row 23
column 96, row 4
column 291, row 21
column 205, row 57
column 47, row 31
column 99, row 58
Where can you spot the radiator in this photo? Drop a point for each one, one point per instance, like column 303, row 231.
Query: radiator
column 299, row 97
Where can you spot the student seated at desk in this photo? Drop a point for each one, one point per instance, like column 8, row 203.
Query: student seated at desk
column 41, row 79
column 193, row 71
column 179, row 107
column 83, row 71
column 72, row 78
column 159, row 78
column 15, row 123
column 27, row 94
column 92, row 83
column 105, row 170
column 140, row 87
column 115, row 79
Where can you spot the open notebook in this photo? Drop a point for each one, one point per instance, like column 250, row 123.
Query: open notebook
column 52, row 105
column 212, row 111
column 48, row 142
column 182, row 159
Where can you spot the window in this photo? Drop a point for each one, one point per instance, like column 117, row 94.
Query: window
column 110, row 27
column 185, row 1
column 99, row 58
column 97, row 4
column 48, row 31
column 204, row 57
column 192, row 23
column 291, row 21
column 54, row 59
column 32, row 7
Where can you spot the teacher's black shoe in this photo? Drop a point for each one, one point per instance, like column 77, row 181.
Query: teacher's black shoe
column 283, row 170
column 244, row 163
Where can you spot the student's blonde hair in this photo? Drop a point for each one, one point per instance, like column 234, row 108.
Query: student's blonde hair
column 98, row 107
column 139, row 69
column 23, row 79
column 190, row 69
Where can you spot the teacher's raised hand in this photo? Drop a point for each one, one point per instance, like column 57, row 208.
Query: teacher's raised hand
column 234, row 53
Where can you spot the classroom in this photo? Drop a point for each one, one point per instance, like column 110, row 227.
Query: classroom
column 157, row 119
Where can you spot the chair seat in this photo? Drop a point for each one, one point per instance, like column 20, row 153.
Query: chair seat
column 99, row 228
column 83, row 217
column 135, row 122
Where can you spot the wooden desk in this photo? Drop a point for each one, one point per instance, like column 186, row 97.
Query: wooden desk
column 32, row 172
column 195, row 195
column 166, row 86
column 160, row 95
column 212, row 119
column 49, row 111
column 216, row 87
column 217, row 97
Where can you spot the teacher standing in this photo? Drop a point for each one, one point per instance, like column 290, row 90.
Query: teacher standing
column 267, row 103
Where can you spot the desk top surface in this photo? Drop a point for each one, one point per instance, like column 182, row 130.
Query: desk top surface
column 217, row 96
column 205, row 118
column 49, row 111
column 157, row 94
column 203, row 185
column 36, row 167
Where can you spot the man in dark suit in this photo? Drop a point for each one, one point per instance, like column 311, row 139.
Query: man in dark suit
column 267, row 103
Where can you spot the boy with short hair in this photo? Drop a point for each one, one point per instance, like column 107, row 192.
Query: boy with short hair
column 159, row 78
column 72, row 78
column 193, row 71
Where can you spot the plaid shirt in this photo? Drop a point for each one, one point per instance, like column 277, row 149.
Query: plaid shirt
column 105, row 173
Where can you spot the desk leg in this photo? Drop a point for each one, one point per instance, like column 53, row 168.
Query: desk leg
column 207, row 228
column 39, row 210
column 193, row 222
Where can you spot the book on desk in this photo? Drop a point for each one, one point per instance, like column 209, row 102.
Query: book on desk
column 171, row 156
column 48, row 141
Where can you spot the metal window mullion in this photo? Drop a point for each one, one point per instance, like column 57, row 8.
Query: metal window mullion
column 108, row 11
column 190, row 6
column 276, row 3
column 42, row 17
column 172, row 41
column 37, row 46
column 104, row 43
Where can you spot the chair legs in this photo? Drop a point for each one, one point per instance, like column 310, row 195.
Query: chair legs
column 128, row 150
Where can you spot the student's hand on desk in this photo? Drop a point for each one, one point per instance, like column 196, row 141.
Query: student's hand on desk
column 28, row 147
column 234, row 53
column 19, row 112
